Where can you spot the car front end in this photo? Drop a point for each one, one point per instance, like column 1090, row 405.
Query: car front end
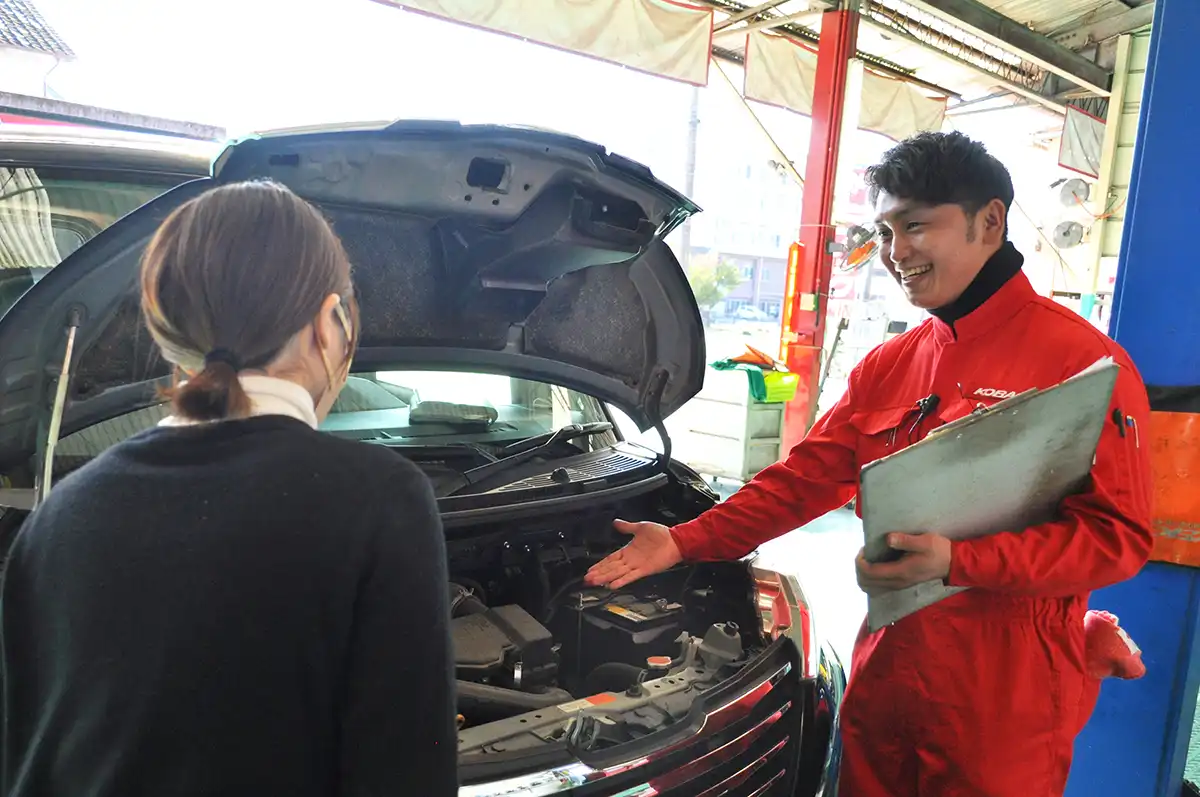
column 516, row 297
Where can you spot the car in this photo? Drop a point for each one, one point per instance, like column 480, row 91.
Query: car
column 516, row 291
column 748, row 313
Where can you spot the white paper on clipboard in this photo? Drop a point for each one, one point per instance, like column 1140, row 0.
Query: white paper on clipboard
column 1005, row 469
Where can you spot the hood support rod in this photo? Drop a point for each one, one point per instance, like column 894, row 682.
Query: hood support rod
column 658, row 385
column 74, row 319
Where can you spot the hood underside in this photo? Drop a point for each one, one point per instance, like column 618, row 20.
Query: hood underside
column 490, row 248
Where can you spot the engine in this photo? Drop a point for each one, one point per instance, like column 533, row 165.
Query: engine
column 584, row 641
column 504, row 646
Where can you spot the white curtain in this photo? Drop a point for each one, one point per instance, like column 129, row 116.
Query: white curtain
column 26, row 234
column 782, row 72
column 668, row 38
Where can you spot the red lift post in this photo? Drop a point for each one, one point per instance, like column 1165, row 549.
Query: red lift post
column 810, row 263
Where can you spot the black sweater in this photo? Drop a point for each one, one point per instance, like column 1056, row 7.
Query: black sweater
column 242, row 608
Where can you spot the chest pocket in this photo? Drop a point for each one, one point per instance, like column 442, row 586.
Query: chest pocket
column 885, row 431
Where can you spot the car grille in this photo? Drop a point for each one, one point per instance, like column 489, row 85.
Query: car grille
column 753, row 753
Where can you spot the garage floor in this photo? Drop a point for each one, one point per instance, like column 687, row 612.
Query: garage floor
column 822, row 555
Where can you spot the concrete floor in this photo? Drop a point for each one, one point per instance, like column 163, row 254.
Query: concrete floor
column 1191, row 769
column 821, row 555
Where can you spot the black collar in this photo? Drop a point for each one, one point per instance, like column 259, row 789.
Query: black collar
column 998, row 270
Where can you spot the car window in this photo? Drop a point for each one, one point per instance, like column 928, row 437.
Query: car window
column 46, row 213
column 376, row 406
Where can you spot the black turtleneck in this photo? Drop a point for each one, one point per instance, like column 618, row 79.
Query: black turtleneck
column 999, row 269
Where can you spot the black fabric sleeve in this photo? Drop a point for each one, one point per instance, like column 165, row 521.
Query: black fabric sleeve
column 398, row 725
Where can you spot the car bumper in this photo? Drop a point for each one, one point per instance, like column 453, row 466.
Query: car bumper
column 770, row 731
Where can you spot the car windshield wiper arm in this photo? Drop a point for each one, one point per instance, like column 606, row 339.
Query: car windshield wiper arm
column 527, row 450
column 561, row 435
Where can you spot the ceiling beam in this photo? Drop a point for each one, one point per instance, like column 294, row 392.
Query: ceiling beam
column 802, row 18
column 747, row 14
column 1046, row 102
column 974, row 17
column 1106, row 29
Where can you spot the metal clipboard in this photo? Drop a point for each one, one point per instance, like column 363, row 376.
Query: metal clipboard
column 1004, row 469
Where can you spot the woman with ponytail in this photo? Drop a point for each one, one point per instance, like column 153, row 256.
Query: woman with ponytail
column 233, row 602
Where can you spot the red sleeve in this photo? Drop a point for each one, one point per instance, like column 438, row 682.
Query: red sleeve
column 1104, row 535
column 819, row 475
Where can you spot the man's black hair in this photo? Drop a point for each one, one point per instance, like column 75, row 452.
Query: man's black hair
column 942, row 169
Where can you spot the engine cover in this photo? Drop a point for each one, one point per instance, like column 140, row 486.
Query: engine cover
column 504, row 646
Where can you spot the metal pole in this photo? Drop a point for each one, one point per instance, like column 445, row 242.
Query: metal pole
column 60, row 401
column 689, row 177
column 803, row 336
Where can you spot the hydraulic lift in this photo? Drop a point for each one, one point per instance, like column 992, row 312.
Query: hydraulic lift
column 1137, row 740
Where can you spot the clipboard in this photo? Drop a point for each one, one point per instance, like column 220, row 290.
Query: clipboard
column 1003, row 469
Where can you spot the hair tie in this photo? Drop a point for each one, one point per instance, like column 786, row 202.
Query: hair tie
column 223, row 356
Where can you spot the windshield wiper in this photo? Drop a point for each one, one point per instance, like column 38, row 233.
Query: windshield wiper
column 525, row 450
column 565, row 434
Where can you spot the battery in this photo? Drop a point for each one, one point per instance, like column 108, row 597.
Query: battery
column 642, row 618
column 625, row 627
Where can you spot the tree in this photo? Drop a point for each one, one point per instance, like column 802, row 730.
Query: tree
column 712, row 280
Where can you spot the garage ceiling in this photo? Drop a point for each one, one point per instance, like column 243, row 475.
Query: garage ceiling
column 1045, row 53
column 1056, row 16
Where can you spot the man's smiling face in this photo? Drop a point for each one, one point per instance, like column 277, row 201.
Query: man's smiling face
column 934, row 252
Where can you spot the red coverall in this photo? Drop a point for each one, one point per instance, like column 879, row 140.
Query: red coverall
column 984, row 692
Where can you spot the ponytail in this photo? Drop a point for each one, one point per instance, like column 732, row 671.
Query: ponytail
column 215, row 393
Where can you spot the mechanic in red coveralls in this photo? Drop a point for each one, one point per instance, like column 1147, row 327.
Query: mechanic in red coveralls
column 984, row 692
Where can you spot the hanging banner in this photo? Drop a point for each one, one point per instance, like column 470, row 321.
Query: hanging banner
column 1082, row 142
column 782, row 72
column 667, row 38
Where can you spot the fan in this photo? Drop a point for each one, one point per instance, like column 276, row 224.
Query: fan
column 861, row 247
column 1074, row 192
column 1068, row 234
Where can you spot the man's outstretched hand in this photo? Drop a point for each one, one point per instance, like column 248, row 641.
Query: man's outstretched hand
column 652, row 550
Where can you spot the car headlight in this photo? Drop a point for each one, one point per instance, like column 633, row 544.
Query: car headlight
column 783, row 610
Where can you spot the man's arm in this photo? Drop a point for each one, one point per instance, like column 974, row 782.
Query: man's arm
column 1104, row 535
column 398, row 729
column 819, row 475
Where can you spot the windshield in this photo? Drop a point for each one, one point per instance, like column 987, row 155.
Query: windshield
column 444, row 407
column 380, row 406
column 46, row 213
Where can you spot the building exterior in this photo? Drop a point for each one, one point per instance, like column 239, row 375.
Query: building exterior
column 752, row 207
column 30, row 49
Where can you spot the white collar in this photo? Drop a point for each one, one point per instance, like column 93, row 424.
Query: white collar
column 269, row 395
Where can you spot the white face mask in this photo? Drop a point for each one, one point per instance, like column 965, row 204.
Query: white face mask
column 336, row 381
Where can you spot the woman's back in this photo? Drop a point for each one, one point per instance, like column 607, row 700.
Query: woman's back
column 182, row 616
column 233, row 602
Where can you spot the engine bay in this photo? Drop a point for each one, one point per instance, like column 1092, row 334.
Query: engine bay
column 535, row 647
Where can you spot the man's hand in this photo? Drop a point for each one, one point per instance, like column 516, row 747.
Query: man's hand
column 651, row 551
column 926, row 558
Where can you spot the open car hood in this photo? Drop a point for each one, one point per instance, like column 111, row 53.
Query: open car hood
column 498, row 249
